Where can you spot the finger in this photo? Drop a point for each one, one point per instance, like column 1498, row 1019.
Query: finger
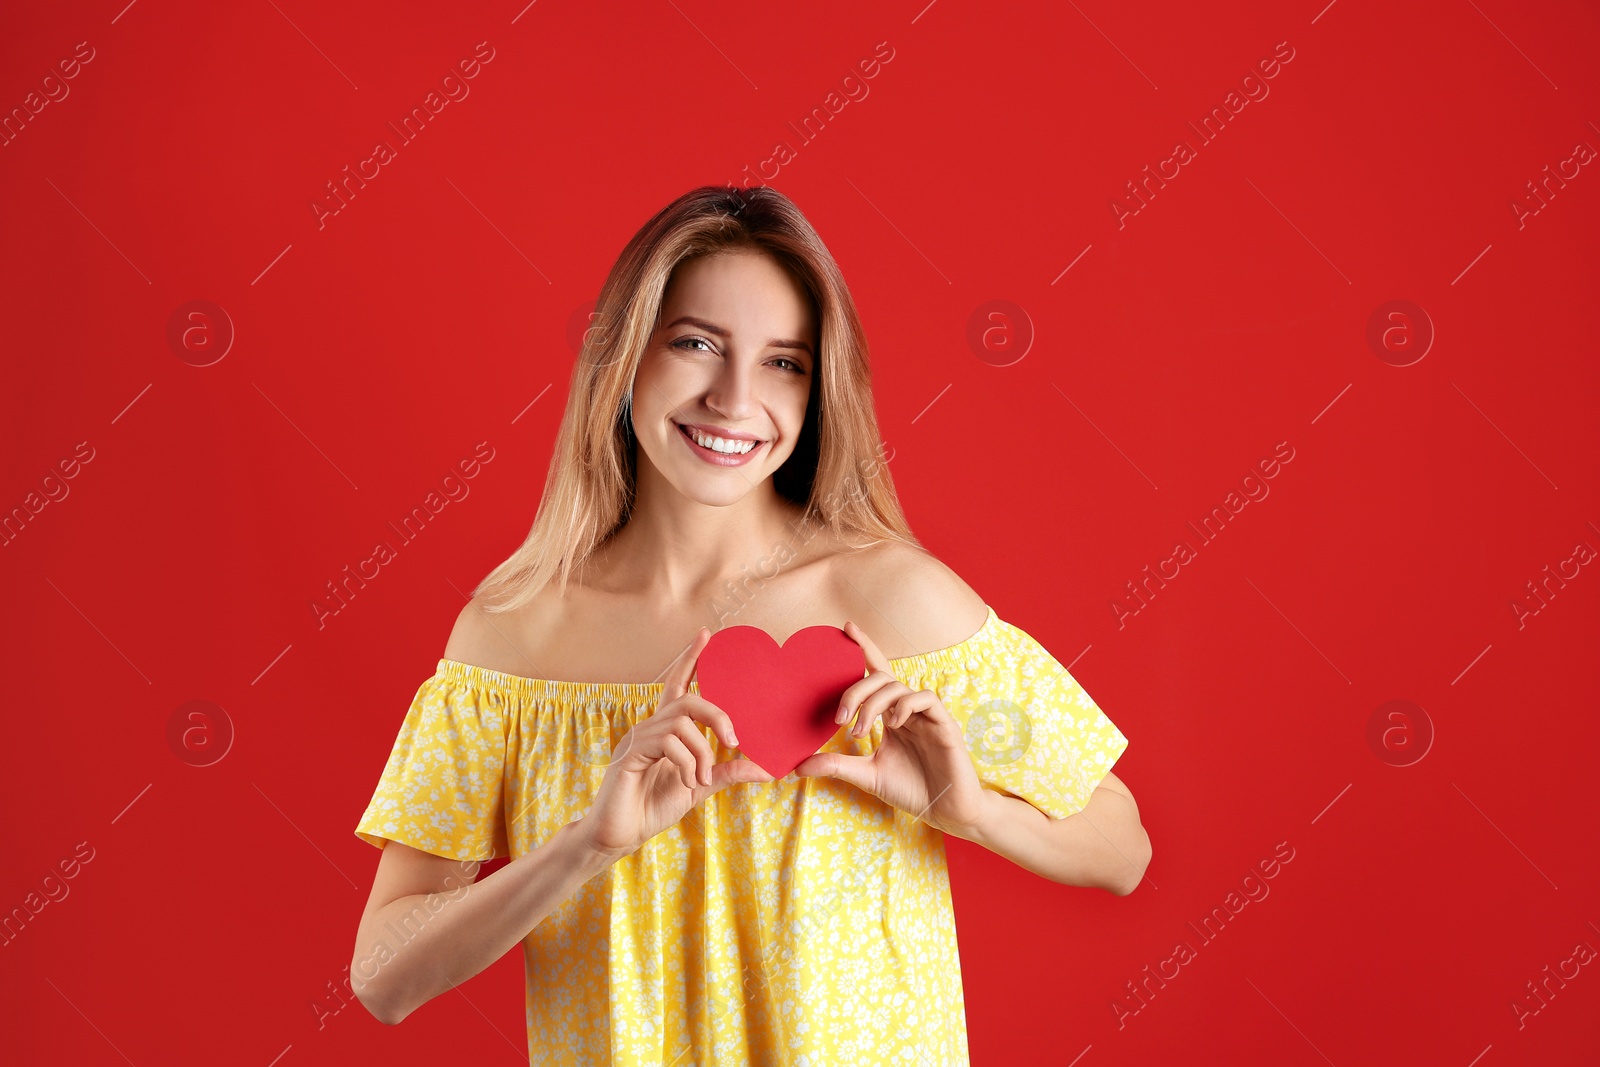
column 706, row 713
column 858, row 692
column 879, row 702
column 732, row 771
column 856, row 770
column 622, row 748
column 904, row 710
column 932, row 708
column 695, row 741
column 876, row 660
column 633, row 751
column 672, row 748
column 877, row 667
column 682, row 669
column 907, row 708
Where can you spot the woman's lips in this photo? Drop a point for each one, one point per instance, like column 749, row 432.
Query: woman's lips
column 715, row 458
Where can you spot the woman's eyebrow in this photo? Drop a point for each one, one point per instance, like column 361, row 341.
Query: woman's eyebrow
column 720, row 332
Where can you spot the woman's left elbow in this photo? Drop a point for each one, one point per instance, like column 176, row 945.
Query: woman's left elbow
column 1132, row 868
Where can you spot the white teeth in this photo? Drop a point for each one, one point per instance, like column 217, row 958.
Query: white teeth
column 717, row 444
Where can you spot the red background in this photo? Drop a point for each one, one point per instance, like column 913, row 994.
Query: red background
column 1226, row 316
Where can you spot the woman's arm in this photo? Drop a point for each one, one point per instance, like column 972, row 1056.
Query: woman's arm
column 1103, row 846
column 428, row 926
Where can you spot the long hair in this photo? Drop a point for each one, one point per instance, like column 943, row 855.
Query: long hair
column 836, row 470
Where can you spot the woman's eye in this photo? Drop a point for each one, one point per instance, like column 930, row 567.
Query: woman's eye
column 686, row 343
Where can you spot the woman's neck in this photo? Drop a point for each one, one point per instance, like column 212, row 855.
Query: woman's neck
column 679, row 553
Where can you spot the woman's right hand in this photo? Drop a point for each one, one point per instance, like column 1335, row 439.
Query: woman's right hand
column 664, row 766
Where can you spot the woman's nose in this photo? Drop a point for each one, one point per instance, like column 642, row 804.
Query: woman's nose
column 732, row 392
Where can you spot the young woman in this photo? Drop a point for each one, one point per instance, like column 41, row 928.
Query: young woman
column 718, row 464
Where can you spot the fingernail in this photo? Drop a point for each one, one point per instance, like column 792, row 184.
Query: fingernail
column 733, row 742
column 842, row 714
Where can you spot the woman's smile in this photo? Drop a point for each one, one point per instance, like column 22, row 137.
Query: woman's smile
column 719, row 451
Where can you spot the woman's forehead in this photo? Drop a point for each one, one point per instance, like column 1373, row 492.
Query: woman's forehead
column 745, row 295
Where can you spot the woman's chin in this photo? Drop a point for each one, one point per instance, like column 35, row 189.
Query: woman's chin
column 715, row 495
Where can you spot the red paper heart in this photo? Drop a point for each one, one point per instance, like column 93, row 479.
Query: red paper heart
column 781, row 700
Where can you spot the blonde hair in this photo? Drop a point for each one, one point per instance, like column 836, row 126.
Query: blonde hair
column 836, row 469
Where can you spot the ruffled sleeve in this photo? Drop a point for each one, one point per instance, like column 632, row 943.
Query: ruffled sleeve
column 1032, row 730
column 441, row 790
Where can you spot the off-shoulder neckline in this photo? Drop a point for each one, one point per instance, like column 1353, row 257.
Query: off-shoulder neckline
column 555, row 687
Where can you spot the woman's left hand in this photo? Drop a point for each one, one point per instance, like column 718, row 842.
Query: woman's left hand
column 922, row 766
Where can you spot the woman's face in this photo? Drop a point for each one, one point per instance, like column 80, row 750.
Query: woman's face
column 733, row 359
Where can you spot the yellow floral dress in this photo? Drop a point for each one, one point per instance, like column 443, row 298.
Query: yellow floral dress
column 800, row 922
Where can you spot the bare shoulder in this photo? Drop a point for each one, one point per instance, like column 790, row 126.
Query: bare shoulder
column 498, row 640
column 471, row 638
column 907, row 599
